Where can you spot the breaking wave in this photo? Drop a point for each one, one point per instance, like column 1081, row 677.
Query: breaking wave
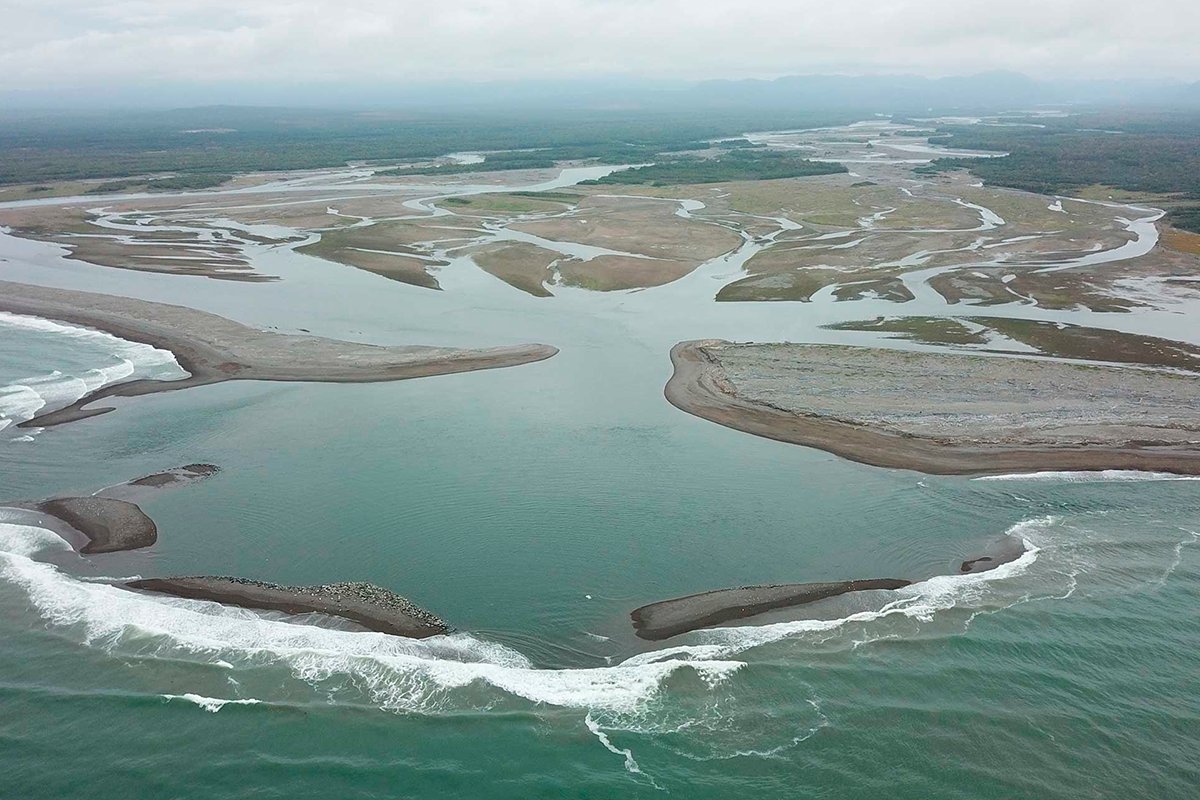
column 89, row 359
column 1098, row 476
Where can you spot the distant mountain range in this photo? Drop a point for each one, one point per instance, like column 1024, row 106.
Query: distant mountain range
column 883, row 93
column 905, row 92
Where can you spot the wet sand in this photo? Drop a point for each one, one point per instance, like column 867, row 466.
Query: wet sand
column 370, row 606
column 108, row 525
column 669, row 618
column 215, row 349
column 109, row 521
column 853, row 419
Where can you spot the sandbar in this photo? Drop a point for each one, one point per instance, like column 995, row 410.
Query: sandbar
column 368, row 605
column 669, row 618
column 215, row 349
column 945, row 414
column 109, row 525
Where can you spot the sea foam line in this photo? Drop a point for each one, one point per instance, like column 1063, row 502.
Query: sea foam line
column 211, row 704
column 1084, row 476
column 422, row 675
column 397, row 673
column 21, row 399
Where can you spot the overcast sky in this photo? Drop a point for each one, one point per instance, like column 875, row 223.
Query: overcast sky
column 77, row 43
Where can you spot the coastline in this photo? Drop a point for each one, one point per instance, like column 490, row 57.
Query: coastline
column 215, row 349
column 372, row 607
column 699, row 386
column 667, row 618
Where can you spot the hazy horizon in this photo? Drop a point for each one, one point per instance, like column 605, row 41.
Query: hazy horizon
column 216, row 50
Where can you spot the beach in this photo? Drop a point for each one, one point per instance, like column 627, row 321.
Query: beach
column 873, row 406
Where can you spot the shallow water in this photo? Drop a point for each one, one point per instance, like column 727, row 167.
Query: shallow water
column 533, row 508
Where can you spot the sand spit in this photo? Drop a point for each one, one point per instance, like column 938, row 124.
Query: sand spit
column 668, row 618
column 146, row 485
column 672, row 617
column 215, row 349
column 366, row 604
column 109, row 521
column 108, row 525
column 945, row 414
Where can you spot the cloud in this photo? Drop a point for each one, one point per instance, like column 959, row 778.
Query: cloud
column 71, row 43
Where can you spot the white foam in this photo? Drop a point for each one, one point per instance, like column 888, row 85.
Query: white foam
column 420, row 675
column 211, row 704
column 1097, row 476
column 401, row 674
column 23, row 398
column 920, row 602
column 631, row 766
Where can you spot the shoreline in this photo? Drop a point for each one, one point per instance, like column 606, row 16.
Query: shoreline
column 373, row 607
column 698, row 385
column 94, row 525
column 109, row 520
column 215, row 349
column 667, row 618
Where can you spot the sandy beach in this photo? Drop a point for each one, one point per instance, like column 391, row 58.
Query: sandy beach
column 215, row 349
column 893, row 409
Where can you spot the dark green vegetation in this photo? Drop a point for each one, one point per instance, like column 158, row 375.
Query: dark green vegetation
column 1059, row 340
column 544, row 158
column 175, row 183
column 926, row 330
column 735, row 165
column 42, row 147
column 1153, row 153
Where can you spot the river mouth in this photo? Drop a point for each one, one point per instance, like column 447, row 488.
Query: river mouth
column 534, row 508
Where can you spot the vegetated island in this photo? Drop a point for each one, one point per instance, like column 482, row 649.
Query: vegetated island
column 735, row 165
column 944, row 413
column 214, row 349
column 368, row 605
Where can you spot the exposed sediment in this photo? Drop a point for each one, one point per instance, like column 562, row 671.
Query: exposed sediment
column 108, row 525
column 167, row 479
column 669, row 618
column 109, row 521
column 368, row 605
column 215, row 349
column 944, row 413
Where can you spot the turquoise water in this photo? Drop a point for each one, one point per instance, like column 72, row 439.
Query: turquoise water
column 533, row 508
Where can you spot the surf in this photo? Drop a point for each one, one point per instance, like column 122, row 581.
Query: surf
column 80, row 361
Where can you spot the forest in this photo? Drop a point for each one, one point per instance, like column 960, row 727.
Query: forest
column 1151, row 153
column 734, row 165
column 39, row 147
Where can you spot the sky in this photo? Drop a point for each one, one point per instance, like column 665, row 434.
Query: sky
column 72, row 44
